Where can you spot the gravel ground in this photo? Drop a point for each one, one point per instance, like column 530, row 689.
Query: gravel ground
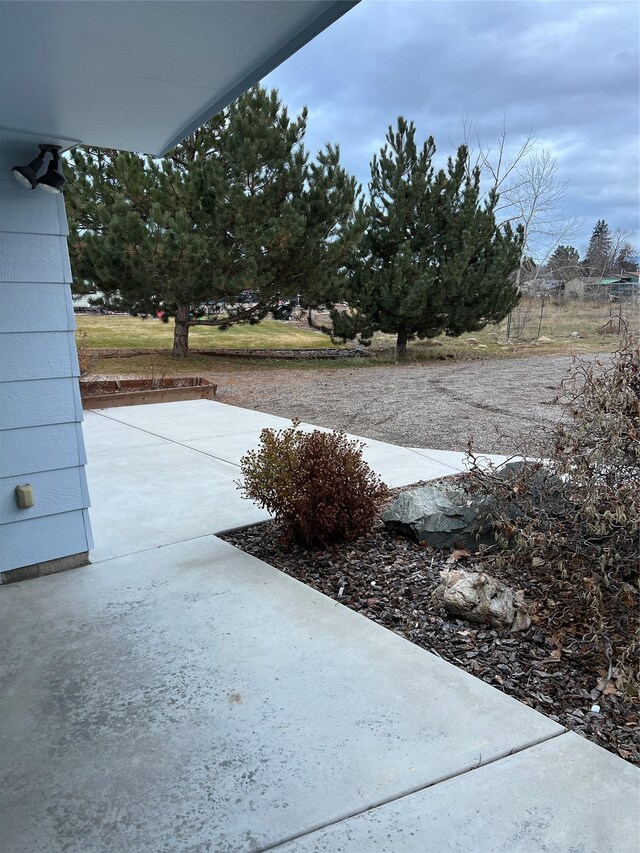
column 435, row 404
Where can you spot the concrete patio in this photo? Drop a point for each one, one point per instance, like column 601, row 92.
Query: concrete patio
column 180, row 695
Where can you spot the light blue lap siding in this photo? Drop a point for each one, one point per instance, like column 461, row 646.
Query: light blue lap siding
column 29, row 212
column 40, row 402
column 37, row 307
column 40, row 539
column 43, row 448
column 36, row 355
column 34, row 257
column 40, row 410
column 54, row 492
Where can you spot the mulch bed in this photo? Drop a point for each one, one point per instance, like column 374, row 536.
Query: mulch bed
column 391, row 581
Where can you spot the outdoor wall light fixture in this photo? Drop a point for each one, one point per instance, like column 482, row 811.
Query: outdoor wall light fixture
column 52, row 181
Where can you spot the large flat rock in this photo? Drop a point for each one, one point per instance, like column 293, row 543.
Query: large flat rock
column 194, row 698
column 562, row 796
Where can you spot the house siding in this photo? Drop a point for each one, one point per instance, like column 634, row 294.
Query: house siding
column 39, row 402
column 40, row 410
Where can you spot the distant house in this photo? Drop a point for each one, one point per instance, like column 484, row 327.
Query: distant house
column 625, row 286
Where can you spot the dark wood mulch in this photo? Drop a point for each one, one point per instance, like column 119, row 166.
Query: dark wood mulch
column 391, row 581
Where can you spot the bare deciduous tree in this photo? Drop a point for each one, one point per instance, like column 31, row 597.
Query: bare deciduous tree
column 532, row 195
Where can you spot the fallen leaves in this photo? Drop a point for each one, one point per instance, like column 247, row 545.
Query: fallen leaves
column 457, row 555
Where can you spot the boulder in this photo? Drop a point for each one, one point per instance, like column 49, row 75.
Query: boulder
column 441, row 515
column 478, row 597
column 537, row 486
column 445, row 516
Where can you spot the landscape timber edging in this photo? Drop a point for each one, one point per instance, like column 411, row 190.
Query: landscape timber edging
column 136, row 392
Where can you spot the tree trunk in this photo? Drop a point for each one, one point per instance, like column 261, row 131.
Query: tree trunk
column 518, row 285
column 181, row 333
column 401, row 343
column 310, row 318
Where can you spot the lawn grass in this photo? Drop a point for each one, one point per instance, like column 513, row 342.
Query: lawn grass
column 115, row 331
column 558, row 324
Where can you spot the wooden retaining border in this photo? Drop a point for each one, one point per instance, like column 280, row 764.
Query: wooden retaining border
column 103, row 394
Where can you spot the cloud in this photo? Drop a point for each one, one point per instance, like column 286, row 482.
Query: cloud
column 568, row 71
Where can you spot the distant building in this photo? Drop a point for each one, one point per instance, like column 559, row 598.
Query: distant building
column 625, row 286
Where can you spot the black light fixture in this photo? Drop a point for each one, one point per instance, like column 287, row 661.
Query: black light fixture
column 28, row 175
column 52, row 181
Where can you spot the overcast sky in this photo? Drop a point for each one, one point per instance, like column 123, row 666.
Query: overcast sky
column 569, row 71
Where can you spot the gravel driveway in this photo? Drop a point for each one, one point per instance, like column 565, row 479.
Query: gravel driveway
column 438, row 405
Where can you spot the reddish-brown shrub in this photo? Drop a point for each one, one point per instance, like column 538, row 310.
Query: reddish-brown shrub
column 316, row 484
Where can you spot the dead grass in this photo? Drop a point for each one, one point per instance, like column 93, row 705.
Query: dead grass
column 529, row 336
column 163, row 364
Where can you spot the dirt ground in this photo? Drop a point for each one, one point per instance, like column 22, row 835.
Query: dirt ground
column 436, row 404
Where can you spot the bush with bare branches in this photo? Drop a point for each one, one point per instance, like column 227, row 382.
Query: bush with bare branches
column 576, row 516
column 87, row 357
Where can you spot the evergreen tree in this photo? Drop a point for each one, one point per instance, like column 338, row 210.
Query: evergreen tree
column 236, row 207
column 432, row 258
column 93, row 199
column 564, row 263
column 599, row 255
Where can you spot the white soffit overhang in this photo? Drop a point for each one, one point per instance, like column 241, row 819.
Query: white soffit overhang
column 141, row 75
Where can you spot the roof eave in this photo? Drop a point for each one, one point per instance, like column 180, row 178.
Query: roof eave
column 321, row 22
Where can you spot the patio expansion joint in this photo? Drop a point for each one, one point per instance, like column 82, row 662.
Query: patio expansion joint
column 170, row 440
column 408, row 793
column 101, row 560
column 454, row 470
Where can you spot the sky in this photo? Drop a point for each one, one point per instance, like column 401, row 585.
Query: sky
column 567, row 71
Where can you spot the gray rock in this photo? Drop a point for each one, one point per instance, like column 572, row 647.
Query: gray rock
column 441, row 515
column 537, row 485
column 478, row 597
column 444, row 515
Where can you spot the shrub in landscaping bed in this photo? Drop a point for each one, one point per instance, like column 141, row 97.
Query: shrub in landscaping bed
column 576, row 519
column 87, row 358
column 316, row 484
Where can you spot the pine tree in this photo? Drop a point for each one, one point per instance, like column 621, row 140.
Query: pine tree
column 94, row 202
column 598, row 258
column 564, row 263
column 432, row 258
column 236, row 207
